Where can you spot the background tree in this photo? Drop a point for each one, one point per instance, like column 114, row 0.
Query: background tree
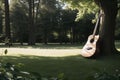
column 48, row 19
column 19, row 21
column 52, row 22
column 1, row 21
column 69, row 24
column 29, row 9
column 7, row 20
column 31, row 23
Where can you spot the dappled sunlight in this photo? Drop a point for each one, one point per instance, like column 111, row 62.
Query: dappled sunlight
column 41, row 52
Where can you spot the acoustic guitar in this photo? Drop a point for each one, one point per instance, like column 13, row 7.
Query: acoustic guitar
column 91, row 48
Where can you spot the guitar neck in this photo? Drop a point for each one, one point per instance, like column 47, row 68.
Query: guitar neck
column 95, row 29
column 96, row 26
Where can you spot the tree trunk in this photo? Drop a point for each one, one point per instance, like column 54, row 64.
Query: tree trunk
column 72, row 35
column 1, row 22
column 31, row 23
column 7, row 22
column 37, row 11
column 45, row 37
column 107, row 29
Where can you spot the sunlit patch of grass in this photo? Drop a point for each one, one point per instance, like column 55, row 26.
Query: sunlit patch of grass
column 42, row 52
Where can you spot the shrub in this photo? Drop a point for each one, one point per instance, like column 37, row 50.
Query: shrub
column 11, row 72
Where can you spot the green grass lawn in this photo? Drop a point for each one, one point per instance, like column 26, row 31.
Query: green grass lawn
column 74, row 67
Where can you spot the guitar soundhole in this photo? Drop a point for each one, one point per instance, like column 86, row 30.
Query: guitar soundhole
column 89, row 48
column 92, row 40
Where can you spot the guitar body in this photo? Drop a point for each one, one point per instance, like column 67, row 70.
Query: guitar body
column 91, row 47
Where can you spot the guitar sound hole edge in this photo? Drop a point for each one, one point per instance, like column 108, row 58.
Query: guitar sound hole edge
column 92, row 40
column 89, row 48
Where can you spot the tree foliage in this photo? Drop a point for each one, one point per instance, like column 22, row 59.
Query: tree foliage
column 19, row 19
column 54, row 20
column 83, row 6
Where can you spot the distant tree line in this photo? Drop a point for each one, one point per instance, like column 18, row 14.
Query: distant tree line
column 44, row 21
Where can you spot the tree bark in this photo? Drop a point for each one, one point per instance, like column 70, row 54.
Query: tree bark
column 1, row 22
column 7, row 20
column 7, row 24
column 31, row 23
column 45, row 36
column 107, row 29
column 37, row 11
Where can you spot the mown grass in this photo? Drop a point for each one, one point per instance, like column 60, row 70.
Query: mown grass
column 74, row 67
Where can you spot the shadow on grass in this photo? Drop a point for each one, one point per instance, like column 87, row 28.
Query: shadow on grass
column 74, row 67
